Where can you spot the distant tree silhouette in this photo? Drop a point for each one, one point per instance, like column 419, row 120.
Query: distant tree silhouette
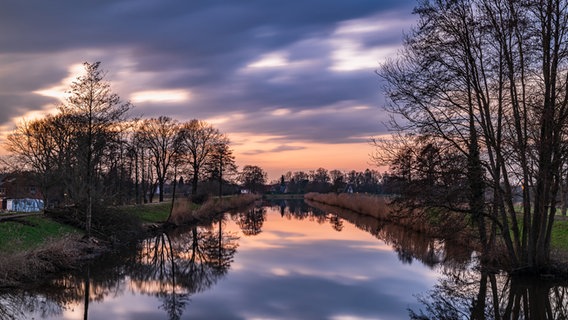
column 252, row 178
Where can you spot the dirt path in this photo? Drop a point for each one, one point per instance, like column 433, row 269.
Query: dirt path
column 14, row 216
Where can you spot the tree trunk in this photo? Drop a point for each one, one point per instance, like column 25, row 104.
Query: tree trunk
column 161, row 191
column 194, row 181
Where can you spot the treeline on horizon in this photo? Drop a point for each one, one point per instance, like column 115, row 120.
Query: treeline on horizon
column 323, row 181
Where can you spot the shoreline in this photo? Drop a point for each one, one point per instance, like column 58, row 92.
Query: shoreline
column 558, row 268
column 55, row 255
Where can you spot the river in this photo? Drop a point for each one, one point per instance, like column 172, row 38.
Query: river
column 288, row 260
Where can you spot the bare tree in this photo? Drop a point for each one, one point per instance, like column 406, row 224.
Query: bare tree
column 252, row 178
column 221, row 165
column 198, row 140
column 35, row 147
column 487, row 77
column 161, row 138
column 95, row 112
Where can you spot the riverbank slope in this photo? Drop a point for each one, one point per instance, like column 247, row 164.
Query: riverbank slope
column 35, row 247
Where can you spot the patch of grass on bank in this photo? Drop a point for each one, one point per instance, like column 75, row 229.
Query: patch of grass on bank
column 31, row 232
column 559, row 238
column 149, row 213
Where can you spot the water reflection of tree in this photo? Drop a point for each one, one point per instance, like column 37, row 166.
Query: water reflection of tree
column 336, row 222
column 474, row 294
column 185, row 263
column 300, row 210
column 466, row 290
column 171, row 266
column 251, row 220
column 408, row 244
column 50, row 298
column 14, row 303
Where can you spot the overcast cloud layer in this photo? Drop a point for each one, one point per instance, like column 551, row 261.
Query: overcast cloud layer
column 298, row 71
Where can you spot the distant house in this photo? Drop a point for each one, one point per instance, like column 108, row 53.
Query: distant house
column 21, row 192
column 24, row 205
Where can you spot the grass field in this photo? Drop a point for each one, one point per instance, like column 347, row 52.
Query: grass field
column 149, row 213
column 559, row 238
column 30, row 232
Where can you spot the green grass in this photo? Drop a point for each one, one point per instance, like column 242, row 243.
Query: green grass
column 149, row 213
column 559, row 238
column 519, row 210
column 30, row 233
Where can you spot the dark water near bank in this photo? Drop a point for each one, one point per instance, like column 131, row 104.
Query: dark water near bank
column 288, row 261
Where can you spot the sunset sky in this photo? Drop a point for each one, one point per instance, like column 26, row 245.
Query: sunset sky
column 291, row 83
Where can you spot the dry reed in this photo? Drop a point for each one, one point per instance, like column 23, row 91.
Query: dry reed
column 366, row 204
column 185, row 212
column 37, row 264
column 443, row 224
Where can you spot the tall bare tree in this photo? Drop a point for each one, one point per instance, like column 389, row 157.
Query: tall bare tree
column 95, row 111
column 488, row 77
column 161, row 137
column 198, row 140
column 221, row 165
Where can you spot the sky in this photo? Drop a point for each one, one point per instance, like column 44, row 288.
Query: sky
column 292, row 83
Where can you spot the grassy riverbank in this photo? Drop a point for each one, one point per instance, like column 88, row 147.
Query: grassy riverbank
column 150, row 212
column 186, row 212
column 379, row 207
column 450, row 226
column 30, row 232
column 34, row 247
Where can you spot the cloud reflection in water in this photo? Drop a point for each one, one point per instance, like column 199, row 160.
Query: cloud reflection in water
column 287, row 265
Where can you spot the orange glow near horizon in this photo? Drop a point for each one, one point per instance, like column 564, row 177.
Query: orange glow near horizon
column 262, row 151
column 279, row 232
column 303, row 156
column 290, row 230
column 273, row 154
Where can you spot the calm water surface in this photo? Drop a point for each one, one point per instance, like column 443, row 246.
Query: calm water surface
column 286, row 261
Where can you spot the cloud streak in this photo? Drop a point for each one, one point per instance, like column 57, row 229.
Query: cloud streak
column 281, row 148
column 302, row 71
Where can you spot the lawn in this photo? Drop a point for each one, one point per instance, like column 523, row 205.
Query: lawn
column 149, row 213
column 559, row 238
column 30, row 232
